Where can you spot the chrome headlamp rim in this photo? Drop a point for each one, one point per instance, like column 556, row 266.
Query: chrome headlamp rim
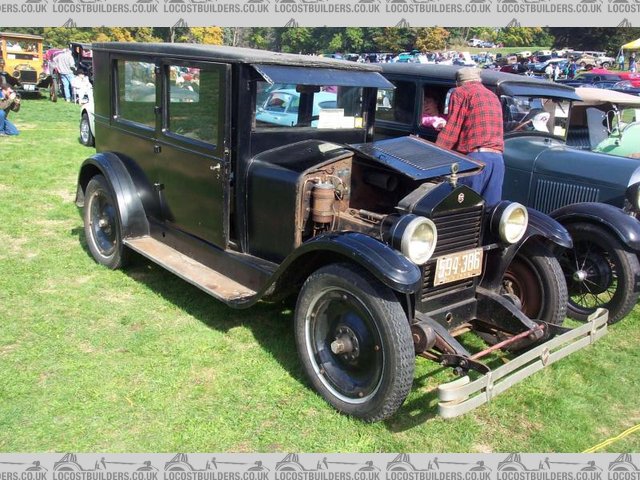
column 506, row 217
column 408, row 238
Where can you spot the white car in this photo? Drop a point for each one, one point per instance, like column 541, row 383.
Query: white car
column 87, row 124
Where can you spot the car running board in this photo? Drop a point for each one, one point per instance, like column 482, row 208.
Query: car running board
column 205, row 278
column 462, row 395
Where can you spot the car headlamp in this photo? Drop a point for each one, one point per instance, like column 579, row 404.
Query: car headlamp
column 414, row 236
column 633, row 196
column 513, row 223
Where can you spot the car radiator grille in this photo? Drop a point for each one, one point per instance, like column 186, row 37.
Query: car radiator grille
column 456, row 232
column 551, row 195
column 30, row 76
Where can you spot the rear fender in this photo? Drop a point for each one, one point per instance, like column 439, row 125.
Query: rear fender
column 130, row 208
column 624, row 226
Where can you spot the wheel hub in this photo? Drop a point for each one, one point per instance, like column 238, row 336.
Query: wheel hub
column 595, row 276
column 579, row 276
column 346, row 343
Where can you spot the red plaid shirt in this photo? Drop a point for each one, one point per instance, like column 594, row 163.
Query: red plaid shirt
column 475, row 120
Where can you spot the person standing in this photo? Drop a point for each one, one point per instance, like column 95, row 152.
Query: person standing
column 573, row 68
column 632, row 63
column 9, row 101
column 474, row 128
column 65, row 64
column 621, row 61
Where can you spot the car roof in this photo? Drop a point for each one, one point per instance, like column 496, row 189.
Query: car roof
column 489, row 77
column 595, row 96
column 226, row 54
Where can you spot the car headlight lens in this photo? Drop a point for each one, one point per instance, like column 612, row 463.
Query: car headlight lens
column 419, row 240
column 513, row 223
column 633, row 196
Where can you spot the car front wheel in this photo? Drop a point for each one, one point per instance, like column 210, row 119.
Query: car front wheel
column 536, row 279
column 102, row 225
column 354, row 342
column 599, row 273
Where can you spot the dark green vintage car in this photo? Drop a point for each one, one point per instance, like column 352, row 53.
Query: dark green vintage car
column 596, row 196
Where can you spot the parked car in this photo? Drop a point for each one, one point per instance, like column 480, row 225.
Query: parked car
column 387, row 254
column 584, row 191
column 606, row 122
column 23, row 57
column 87, row 124
column 283, row 105
column 593, row 77
column 627, row 86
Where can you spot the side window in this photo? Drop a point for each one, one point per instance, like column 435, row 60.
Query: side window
column 317, row 106
column 136, row 92
column 196, row 103
column 397, row 105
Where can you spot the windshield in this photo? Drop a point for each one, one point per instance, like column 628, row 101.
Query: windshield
column 325, row 106
column 534, row 114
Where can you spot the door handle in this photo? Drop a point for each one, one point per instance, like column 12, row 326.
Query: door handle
column 157, row 149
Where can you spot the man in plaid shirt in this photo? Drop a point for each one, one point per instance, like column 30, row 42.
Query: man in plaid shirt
column 474, row 128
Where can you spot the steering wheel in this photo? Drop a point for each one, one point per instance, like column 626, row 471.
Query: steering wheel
column 528, row 118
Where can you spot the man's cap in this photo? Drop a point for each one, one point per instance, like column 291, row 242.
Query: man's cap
column 468, row 74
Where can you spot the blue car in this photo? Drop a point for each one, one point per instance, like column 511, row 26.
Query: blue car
column 281, row 107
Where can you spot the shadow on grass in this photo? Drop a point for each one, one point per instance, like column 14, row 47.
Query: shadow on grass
column 271, row 325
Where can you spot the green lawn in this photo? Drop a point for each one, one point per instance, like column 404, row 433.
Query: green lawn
column 138, row 360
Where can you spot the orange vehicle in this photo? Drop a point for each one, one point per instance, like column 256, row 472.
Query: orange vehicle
column 22, row 54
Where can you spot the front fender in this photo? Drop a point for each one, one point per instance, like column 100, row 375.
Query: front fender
column 624, row 226
column 545, row 226
column 540, row 226
column 130, row 209
column 386, row 264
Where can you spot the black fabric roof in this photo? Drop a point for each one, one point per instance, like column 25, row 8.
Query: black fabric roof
column 231, row 55
column 489, row 77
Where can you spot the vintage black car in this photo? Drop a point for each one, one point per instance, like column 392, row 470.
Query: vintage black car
column 594, row 195
column 387, row 254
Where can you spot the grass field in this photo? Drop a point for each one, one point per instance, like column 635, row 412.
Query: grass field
column 138, row 360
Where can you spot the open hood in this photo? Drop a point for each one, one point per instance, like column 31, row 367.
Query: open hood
column 416, row 158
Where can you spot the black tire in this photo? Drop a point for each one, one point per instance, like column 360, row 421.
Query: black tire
column 372, row 379
column 536, row 278
column 600, row 272
column 86, row 135
column 102, row 225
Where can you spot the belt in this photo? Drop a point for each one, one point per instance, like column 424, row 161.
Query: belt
column 485, row 150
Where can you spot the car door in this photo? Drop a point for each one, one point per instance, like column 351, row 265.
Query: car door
column 191, row 148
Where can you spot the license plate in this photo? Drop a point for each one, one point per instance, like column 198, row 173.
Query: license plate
column 29, row 88
column 458, row 266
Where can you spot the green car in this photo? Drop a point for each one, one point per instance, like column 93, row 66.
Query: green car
column 606, row 121
column 548, row 167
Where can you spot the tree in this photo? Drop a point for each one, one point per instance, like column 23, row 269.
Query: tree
column 599, row 38
column 205, row 35
column 296, row 40
column 393, row 39
column 431, row 38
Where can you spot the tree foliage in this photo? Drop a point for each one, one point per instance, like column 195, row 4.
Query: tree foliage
column 431, row 38
column 350, row 39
